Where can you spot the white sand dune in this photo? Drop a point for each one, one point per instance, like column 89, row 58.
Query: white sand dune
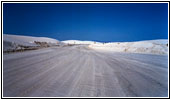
column 151, row 46
column 12, row 42
column 79, row 42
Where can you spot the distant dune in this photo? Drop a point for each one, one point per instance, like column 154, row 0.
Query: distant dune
column 16, row 42
column 79, row 42
column 159, row 46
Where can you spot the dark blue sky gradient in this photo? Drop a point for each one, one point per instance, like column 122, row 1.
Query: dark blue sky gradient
column 82, row 21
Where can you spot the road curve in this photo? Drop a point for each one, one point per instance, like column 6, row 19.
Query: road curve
column 78, row 71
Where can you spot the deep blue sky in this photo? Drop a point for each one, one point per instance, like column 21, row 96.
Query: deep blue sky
column 100, row 22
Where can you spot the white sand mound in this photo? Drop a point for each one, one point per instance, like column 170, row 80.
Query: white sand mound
column 12, row 42
column 151, row 46
column 79, row 42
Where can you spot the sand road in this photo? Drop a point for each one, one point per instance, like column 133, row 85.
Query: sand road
column 78, row 71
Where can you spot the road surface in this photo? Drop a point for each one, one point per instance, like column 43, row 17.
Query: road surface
column 78, row 71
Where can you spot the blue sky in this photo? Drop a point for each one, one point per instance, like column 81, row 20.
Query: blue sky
column 104, row 22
